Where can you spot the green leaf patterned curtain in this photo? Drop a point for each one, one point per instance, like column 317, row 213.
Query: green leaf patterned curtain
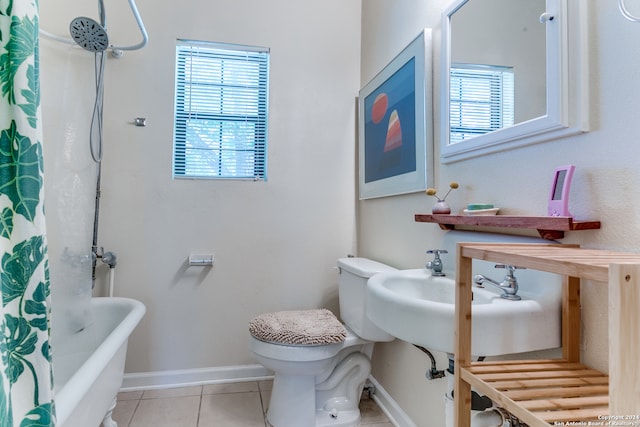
column 26, row 385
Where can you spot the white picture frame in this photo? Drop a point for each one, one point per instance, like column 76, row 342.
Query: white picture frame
column 396, row 124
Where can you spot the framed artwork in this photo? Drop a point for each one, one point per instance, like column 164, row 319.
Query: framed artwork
column 396, row 125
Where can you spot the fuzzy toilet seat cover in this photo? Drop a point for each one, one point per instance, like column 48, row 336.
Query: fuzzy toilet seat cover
column 298, row 327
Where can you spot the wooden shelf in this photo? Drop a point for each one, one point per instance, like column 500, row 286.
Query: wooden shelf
column 549, row 227
column 547, row 391
column 558, row 391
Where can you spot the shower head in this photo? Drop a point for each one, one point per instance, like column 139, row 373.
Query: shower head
column 88, row 34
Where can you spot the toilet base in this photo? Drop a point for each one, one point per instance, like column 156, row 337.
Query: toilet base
column 349, row 418
column 296, row 406
column 297, row 400
column 294, row 403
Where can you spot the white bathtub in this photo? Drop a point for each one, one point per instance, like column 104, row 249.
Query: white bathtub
column 88, row 367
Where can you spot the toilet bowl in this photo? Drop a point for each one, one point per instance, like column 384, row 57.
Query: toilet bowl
column 300, row 370
column 320, row 384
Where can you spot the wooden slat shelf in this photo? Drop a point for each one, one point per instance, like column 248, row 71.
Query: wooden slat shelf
column 556, row 391
column 543, row 392
column 549, row 227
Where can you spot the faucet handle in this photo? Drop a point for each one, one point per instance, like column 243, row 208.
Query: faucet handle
column 437, row 251
column 510, row 268
column 436, row 265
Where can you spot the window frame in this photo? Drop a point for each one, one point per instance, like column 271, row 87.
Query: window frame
column 497, row 95
column 191, row 106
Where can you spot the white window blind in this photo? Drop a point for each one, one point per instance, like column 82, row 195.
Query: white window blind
column 221, row 103
column 482, row 100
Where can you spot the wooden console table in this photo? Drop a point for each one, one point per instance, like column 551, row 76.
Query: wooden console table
column 555, row 392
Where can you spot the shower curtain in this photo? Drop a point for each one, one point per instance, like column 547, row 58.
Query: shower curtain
column 26, row 385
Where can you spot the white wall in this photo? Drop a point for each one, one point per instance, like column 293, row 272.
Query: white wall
column 604, row 185
column 305, row 214
column 275, row 243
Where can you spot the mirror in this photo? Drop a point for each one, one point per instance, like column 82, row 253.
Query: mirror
column 512, row 75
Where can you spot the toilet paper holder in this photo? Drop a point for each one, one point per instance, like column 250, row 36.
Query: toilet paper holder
column 201, row 260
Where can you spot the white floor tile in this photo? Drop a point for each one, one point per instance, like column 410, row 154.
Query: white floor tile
column 123, row 412
column 385, row 424
column 265, row 385
column 231, row 410
column 172, row 392
column 370, row 412
column 265, row 396
column 129, row 395
column 215, row 405
column 167, row 412
column 230, row 388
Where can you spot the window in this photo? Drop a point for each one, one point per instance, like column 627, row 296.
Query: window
column 221, row 98
column 481, row 99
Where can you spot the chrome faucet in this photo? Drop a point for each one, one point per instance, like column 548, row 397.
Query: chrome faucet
column 436, row 265
column 508, row 286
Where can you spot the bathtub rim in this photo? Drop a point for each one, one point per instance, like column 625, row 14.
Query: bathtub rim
column 79, row 384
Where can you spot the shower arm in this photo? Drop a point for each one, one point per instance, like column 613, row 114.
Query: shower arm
column 143, row 31
column 114, row 49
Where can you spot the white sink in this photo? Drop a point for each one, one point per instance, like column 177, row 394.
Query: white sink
column 419, row 308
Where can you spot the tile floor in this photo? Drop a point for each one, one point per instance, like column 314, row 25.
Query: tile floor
column 215, row 405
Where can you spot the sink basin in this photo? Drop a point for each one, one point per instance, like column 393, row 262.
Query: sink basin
column 419, row 308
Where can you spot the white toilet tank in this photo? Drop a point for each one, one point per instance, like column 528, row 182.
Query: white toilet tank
column 352, row 294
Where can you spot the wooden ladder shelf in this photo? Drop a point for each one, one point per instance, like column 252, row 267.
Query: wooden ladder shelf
column 557, row 391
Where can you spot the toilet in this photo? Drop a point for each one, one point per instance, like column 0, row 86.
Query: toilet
column 320, row 365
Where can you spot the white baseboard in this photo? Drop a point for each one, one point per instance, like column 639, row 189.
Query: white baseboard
column 391, row 409
column 190, row 377
column 240, row 373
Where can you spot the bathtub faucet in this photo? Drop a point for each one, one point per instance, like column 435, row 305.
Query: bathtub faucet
column 436, row 265
column 508, row 286
column 109, row 258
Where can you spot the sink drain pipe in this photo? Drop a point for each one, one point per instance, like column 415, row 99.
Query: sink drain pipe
column 432, row 373
column 484, row 414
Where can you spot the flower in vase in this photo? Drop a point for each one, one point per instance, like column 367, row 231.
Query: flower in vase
column 433, row 192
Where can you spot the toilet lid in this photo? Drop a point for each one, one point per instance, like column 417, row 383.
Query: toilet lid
column 298, row 327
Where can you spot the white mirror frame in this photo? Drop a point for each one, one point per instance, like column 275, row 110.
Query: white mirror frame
column 567, row 86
